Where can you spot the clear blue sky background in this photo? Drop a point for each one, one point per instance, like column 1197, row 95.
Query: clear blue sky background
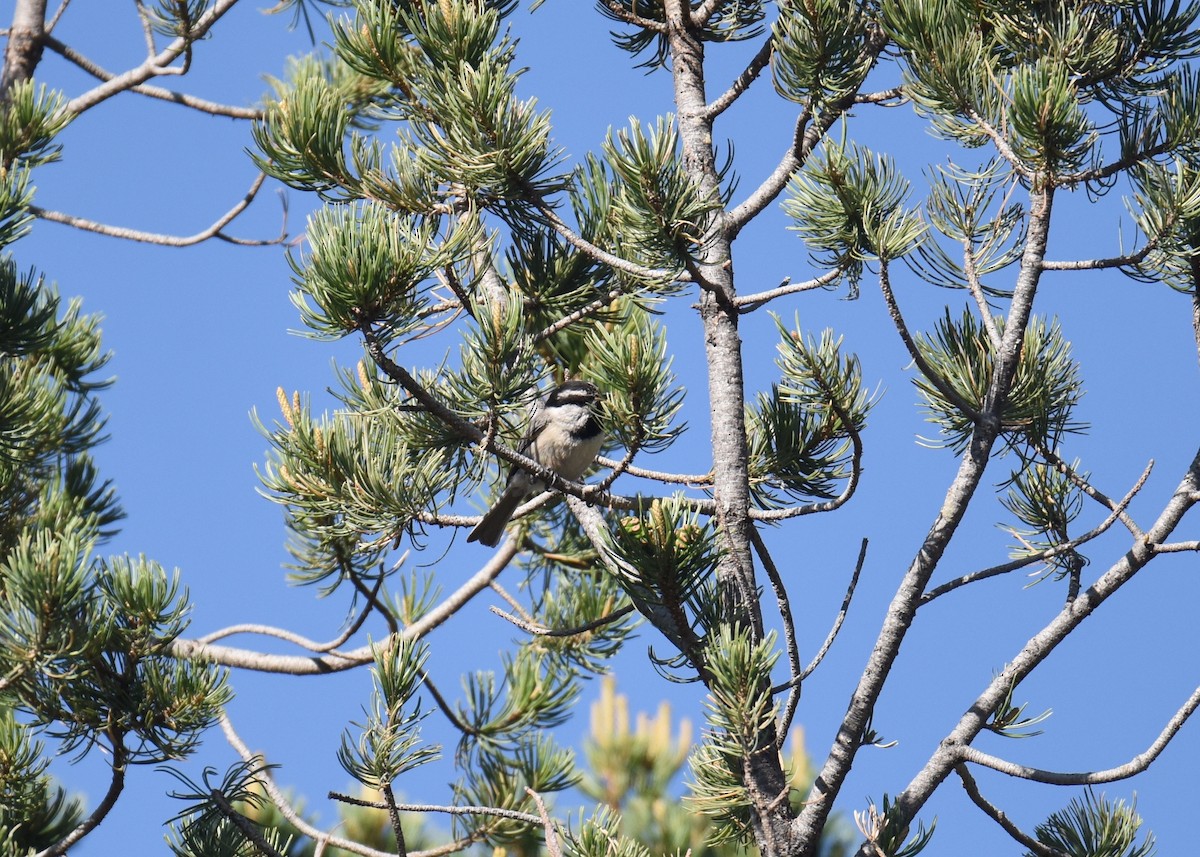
column 201, row 337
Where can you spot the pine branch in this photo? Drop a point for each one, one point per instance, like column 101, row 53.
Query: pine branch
column 1136, row 765
column 749, row 303
column 808, row 132
column 320, row 837
column 958, row 496
column 1041, row 645
column 1049, row 553
column 543, row 631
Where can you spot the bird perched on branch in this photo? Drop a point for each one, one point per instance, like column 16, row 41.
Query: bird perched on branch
column 564, row 435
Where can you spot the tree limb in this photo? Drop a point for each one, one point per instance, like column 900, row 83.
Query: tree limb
column 154, row 65
column 1049, row 553
column 951, row 750
column 203, row 105
column 1136, row 765
column 115, row 786
column 331, row 663
column 998, row 816
column 212, row 231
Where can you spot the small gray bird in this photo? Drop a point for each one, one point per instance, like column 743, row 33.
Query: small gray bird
column 564, row 436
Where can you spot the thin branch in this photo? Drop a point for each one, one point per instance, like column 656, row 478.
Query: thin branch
column 246, row 827
column 580, row 243
column 512, row 602
column 526, row 817
column 115, row 787
column 282, row 634
column 444, row 705
column 394, row 816
column 1136, row 765
column 1096, row 494
column 203, row 105
column 1177, row 547
column 742, row 82
column 694, row 479
column 330, row 663
column 943, row 387
column 305, row 643
column 1118, row 166
column 543, row 631
column 975, row 287
column 749, row 303
column 1001, row 144
column 553, row 849
column 805, row 136
column 998, row 816
column 153, row 65
column 803, row 141
column 213, row 231
column 893, row 97
column 841, row 616
column 320, row 837
column 578, row 315
column 789, row 634
column 1047, row 554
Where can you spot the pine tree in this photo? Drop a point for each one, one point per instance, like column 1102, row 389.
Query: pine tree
column 445, row 213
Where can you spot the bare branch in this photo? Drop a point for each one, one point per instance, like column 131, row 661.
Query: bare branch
column 893, row 97
column 213, row 231
column 742, row 82
column 693, row 479
column 115, row 786
column 1096, row 494
column 976, row 289
column 841, row 616
column 1047, row 554
column 528, row 818
column 543, row 631
column 330, row 663
column 998, row 816
column 154, row 65
column 183, row 99
column 553, row 849
column 789, row 635
column 1001, row 144
column 749, row 303
column 1177, row 547
column 1136, row 765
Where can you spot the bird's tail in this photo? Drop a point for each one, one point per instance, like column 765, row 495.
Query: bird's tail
column 489, row 530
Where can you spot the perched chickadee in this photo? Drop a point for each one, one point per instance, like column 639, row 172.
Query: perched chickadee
column 564, row 436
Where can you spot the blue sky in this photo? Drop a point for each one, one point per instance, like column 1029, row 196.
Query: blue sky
column 202, row 337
